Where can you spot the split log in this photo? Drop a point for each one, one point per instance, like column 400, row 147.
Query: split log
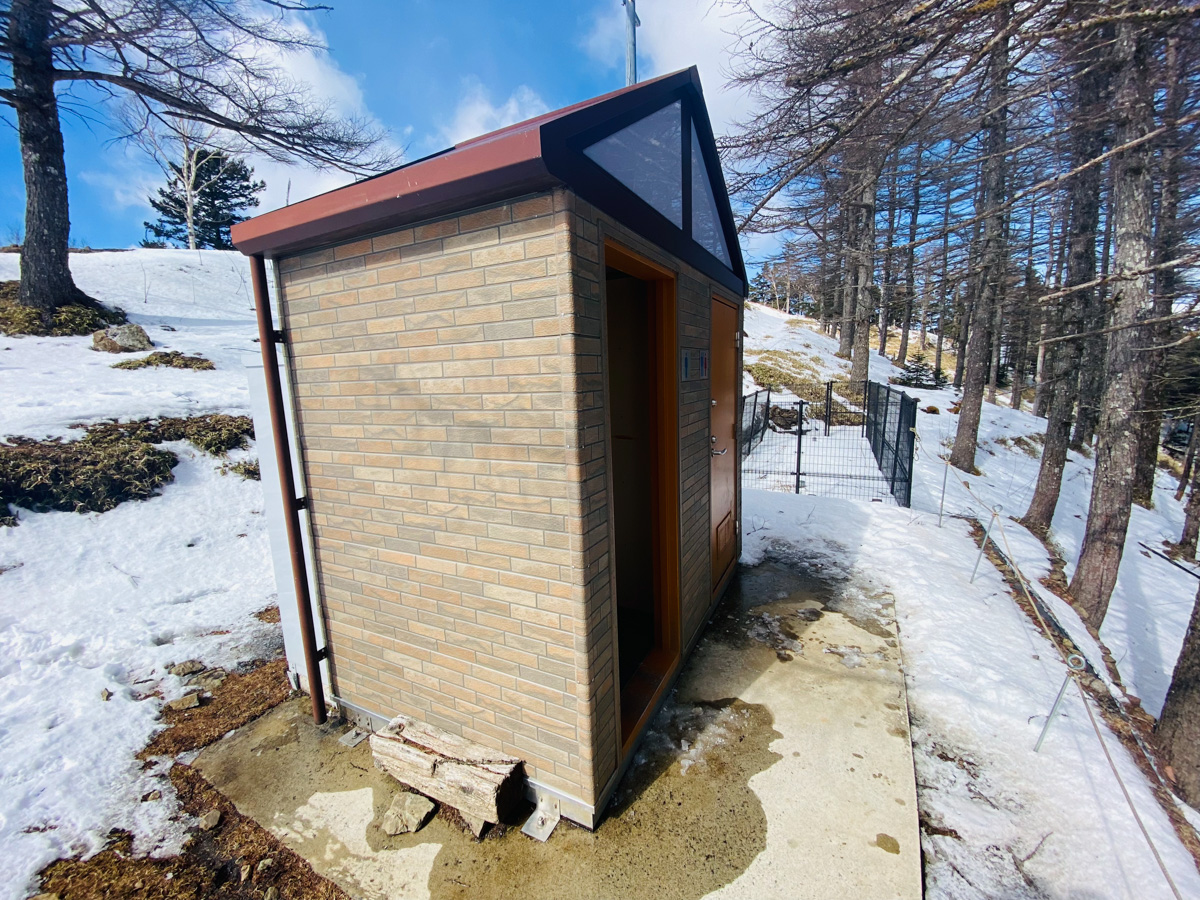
column 475, row 780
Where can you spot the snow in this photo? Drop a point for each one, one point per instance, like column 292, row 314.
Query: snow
column 52, row 383
column 105, row 602
column 981, row 677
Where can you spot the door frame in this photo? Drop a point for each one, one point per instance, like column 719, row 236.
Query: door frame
column 663, row 662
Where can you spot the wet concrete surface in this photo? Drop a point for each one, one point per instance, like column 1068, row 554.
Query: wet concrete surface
column 779, row 767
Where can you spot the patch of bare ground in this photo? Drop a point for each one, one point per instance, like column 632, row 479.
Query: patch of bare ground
column 1125, row 718
column 239, row 699
column 236, row 859
column 270, row 615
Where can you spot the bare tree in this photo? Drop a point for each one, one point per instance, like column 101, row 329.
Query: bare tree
column 201, row 61
column 1128, row 372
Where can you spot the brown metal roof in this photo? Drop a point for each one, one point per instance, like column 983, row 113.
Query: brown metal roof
column 523, row 158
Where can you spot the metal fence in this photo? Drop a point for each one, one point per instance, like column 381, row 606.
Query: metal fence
column 850, row 439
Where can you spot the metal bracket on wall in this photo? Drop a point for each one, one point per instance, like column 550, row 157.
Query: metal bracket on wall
column 544, row 819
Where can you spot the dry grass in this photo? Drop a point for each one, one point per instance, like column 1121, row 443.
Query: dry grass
column 215, row 433
column 239, row 699
column 71, row 319
column 93, row 474
column 171, row 359
column 211, row 866
column 223, row 862
column 248, row 469
column 112, row 462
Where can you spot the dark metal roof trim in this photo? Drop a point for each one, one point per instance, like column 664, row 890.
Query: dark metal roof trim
column 530, row 156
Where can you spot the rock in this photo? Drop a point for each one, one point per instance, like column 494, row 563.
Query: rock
column 106, row 694
column 264, row 864
column 209, row 679
column 121, row 339
column 210, row 819
column 407, row 814
column 188, row 667
column 152, row 796
column 187, row 701
column 476, row 825
column 272, row 893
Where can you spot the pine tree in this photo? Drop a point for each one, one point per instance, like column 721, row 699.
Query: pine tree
column 206, row 195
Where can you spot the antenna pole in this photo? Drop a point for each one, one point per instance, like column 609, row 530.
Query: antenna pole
column 631, row 24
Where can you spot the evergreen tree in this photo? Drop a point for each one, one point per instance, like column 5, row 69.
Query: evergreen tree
column 761, row 290
column 207, row 194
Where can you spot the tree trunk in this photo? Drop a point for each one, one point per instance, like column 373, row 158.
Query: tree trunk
column 46, row 281
column 1087, row 142
column 1189, row 459
column 846, row 284
column 889, row 271
column 1128, row 370
column 1092, row 361
column 1191, row 520
column 962, row 337
column 910, row 266
column 863, row 233
column 1178, row 731
column 997, row 344
column 992, row 256
column 1168, row 240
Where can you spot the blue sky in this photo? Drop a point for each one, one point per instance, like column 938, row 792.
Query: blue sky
column 431, row 71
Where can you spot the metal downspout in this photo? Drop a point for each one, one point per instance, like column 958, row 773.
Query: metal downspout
column 267, row 336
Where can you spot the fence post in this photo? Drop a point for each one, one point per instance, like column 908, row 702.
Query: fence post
column 896, row 447
column 828, row 405
column 754, row 420
column 799, row 440
column 766, row 416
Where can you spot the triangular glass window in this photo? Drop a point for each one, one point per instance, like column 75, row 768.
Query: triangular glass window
column 646, row 157
column 706, row 222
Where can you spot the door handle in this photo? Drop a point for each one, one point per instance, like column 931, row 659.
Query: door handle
column 719, row 452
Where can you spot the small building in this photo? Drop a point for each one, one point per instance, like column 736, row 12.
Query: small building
column 512, row 373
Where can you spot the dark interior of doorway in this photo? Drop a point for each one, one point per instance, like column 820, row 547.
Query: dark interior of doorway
column 632, row 425
column 639, row 366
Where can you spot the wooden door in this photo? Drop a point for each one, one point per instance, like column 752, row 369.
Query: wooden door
column 723, row 436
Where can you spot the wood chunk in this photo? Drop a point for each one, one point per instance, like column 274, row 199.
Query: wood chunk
column 477, row 781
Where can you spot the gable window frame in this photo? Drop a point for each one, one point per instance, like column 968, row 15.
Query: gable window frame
column 564, row 147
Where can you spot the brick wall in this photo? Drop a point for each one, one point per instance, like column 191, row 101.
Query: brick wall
column 449, row 388
column 428, row 366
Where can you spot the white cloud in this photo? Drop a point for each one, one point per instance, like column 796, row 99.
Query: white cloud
column 476, row 114
column 676, row 34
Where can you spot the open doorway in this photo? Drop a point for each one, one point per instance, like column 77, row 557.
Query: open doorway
column 643, row 426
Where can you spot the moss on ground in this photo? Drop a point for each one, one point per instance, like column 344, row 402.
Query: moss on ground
column 171, row 359
column 72, row 319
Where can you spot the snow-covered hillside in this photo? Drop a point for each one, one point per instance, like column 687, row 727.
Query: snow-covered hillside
column 98, row 605
column 998, row 819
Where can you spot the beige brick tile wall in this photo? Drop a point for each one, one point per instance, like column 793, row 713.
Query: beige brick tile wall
column 429, row 373
column 449, row 387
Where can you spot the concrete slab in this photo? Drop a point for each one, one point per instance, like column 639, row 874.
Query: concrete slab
column 780, row 767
